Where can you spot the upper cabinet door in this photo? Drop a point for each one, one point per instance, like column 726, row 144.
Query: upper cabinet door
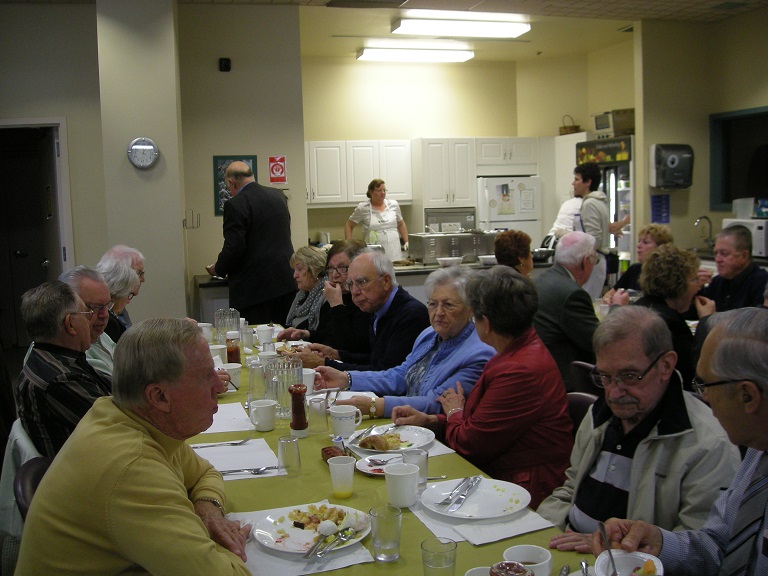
column 507, row 151
column 395, row 164
column 435, row 173
column 491, row 150
column 362, row 167
column 462, row 171
column 327, row 172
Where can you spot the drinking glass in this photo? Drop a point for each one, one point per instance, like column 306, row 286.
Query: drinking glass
column 318, row 417
column 288, row 458
column 385, row 530
column 438, row 556
column 342, row 475
column 420, row 457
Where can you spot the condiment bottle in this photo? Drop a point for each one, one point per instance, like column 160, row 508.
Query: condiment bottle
column 233, row 346
column 299, row 423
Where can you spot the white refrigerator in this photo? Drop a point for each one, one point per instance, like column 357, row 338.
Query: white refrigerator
column 510, row 203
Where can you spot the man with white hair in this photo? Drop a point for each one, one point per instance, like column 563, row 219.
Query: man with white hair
column 565, row 320
column 731, row 374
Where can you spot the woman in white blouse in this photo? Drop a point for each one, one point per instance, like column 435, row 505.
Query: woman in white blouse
column 382, row 221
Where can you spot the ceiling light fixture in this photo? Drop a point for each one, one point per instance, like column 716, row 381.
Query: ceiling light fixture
column 409, row 55
column 460, row 28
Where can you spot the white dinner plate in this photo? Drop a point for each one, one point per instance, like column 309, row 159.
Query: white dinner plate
column 410, row 437
column 491, row 499
column 276, row 530
column 367, row 467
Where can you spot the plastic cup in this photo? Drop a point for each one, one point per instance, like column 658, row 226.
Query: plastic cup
column 438, row 557
column 233, row 369
column 264, row 333
column 219, row 351
column 288, row 458
column 342, row 475
column 420, row 457
column 385, row 531
column 207, row 330
column 402, row 484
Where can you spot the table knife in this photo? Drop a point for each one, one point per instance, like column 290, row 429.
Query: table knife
column 465, row 493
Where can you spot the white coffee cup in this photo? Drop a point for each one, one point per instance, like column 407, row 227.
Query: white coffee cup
column 220, row 351
column 402, row 484
column 308, row 376
column 264, row 333
column 536, row 558
column 263, row 414
column 207, row 329
column 233, row 369
column 344, row 420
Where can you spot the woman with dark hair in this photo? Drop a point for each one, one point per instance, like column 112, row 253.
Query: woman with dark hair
column 344, row 326
column 514, row 425
column 513, row 248
column 382, row 221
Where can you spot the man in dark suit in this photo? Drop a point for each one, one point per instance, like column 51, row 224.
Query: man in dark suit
column 565, row 320
column 257, row 248
column 398, row 318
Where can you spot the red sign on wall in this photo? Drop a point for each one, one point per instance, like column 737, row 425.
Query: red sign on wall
column 277, row 173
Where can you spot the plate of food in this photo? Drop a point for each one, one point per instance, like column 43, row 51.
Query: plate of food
column 295, row 529
column 491, row 499
column 390, row 438
column 629, row 564
column 376, row 468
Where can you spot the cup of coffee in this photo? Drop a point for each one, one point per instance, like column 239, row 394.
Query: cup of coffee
column 537, row 559
column 262, row 413
column 402, row 484
column 264, row 333
column 344, row 420
column 308, row 377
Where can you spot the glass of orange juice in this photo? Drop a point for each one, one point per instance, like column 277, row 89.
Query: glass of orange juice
column 342, row 474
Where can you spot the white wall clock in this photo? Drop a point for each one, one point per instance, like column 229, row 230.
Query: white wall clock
column 143, row 153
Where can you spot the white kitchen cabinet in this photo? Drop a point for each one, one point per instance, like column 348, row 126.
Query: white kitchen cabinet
column 521, row 155
column 339, row 171
column 447, row 174
column 327, row 172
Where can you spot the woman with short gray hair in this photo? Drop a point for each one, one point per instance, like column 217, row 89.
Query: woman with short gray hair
column 123, row 283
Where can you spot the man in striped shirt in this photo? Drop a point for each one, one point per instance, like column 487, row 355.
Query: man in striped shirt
column 57, row 386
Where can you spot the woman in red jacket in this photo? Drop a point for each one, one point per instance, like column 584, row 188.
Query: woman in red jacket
column 514, row 425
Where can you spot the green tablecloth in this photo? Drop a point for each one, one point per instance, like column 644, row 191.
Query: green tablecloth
column 314, row 484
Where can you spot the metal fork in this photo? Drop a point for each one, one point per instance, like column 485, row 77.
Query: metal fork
column 448, row 499
column 238, row 443
column 253, row 471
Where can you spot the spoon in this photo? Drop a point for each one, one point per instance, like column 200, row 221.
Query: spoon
column 238, row 443
column 601, row 526
column 253, row 471
column 584, row 568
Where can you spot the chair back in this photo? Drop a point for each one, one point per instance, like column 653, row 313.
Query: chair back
column 578, row 405
column 27, row 480
column 580, row 378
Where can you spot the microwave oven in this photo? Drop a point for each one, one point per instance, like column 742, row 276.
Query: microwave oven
column 614, row 123
column 759, row 236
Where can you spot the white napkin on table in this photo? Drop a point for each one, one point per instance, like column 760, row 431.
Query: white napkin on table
column 253, row 454
column 262, row 560
column 230, row 418
column 480, row 531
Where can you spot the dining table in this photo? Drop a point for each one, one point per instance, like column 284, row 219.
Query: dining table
column 254, row 493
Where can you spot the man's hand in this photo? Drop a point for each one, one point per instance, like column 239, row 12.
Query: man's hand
column 409, row 415
column 629, row 535
column 572, row 541
column 230, row 535
column 704, row 306
column 328, row 377
column 325, row 351
column 308, row 358
column 292, row 334
column 211, row 269
column 332, row 294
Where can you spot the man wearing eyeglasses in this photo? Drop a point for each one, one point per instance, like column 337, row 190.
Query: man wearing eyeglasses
column 56, row 386
column 731, row 373
column 646, row 450
column 90, row 286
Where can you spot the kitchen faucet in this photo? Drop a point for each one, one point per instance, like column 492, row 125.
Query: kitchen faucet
column 708, row 241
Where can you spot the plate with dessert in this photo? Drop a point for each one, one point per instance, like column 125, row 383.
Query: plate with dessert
column 390, row 438
column 295, row 529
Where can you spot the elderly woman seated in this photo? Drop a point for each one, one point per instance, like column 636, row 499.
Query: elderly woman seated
column 447, row 351
column 513, row 248
column 514, row 425
column 306, row 312
column 347, row 326
column 123, row 283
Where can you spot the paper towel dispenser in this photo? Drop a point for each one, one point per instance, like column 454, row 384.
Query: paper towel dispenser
column 671, row 165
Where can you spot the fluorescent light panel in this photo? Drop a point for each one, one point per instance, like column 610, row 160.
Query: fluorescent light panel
column 407, row 55
column 460, row 28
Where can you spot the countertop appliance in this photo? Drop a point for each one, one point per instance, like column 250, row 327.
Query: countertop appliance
column 510, row 203
column 450, row 220
column 427, row 247
column 759, row 236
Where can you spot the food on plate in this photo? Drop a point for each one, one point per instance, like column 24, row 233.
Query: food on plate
column 314, row 515
column 330, row 452
column 286, row 348
column 383, row 442
column 647, row 569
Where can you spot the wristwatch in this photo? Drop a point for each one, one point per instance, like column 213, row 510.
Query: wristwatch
column 372, row 409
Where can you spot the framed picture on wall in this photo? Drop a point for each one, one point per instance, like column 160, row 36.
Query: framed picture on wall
column 220, row 192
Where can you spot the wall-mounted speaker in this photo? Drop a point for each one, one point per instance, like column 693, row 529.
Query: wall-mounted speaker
column 671, row 166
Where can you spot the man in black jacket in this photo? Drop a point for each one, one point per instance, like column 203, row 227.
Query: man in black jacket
column 257, row 248
column 398, row 318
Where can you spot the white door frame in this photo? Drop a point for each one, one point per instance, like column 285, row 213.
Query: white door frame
column 64, row 208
